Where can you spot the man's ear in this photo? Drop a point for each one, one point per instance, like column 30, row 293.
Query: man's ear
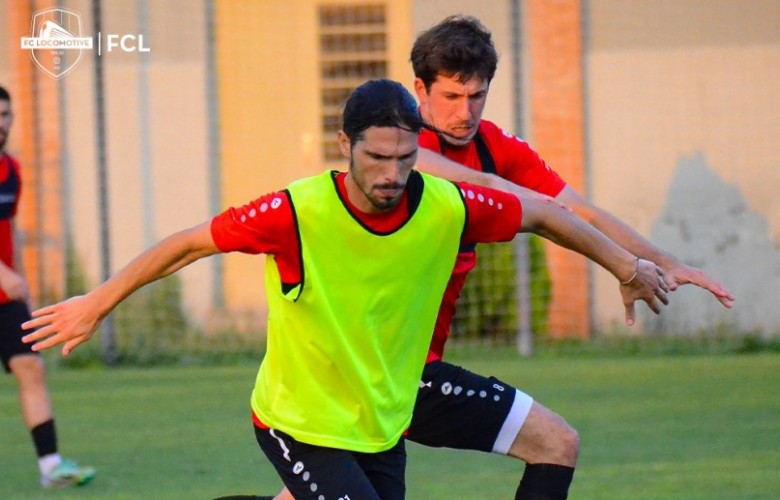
column 420, row 90
column 344, row 144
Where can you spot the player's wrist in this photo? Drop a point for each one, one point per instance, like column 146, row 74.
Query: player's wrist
column 629, row 278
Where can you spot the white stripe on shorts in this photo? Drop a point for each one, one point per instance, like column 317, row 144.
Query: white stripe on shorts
column 514, row 421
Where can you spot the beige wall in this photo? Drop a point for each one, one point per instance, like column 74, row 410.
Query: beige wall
column 674, row 80
column 270, row 109
column 174, row 125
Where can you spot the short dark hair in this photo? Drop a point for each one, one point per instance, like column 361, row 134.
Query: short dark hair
column 380, row 103
column 458, row 46
column 4, row 95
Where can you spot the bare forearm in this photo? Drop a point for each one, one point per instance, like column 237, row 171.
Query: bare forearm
column 628, row 238
column 615, row 229
column 163, row 259
column 569, row 231
column 435, row 164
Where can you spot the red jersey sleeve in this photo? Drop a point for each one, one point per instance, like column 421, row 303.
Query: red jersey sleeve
column 265, row 225
column 517, row 162
column 491, row 215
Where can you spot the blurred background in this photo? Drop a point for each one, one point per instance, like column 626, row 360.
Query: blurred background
column 664, row 112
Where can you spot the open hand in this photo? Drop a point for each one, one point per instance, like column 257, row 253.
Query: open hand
column 680, row 274
column 647, row 284
column 71, row 323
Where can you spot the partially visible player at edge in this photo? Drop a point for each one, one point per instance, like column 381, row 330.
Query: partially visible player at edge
column 454, row 63
column 359, row 263
column 17, row 358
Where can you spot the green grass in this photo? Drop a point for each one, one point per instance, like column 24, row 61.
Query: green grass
column 678, row 427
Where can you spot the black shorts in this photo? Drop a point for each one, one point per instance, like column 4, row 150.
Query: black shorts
column 319, row 473
column 459, row 409
column 12, row 315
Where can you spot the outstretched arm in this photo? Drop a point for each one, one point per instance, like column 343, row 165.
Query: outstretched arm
column 639, row 279
column 675, row 272
column 435, row 164
column 73, row 321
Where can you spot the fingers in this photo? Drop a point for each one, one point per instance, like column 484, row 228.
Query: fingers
column 725, row 301
column 71, row 344
column 682, row 275
column 661, row 294
column 40, row 333
column 662, row 279
column 630, row 314
column 653, row 305
column 45, row 334
column 43, row 311
column 36, row 322
column 671, row 283
column 722, row 294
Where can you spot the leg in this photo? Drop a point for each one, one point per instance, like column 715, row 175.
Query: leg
column 546, row 438
column 28, row 369
column 459, row 409
column 549, row 446
column 386, row 471
column 315, row 472
column 33, row 395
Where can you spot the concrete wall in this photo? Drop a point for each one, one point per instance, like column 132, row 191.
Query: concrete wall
column 683, row 100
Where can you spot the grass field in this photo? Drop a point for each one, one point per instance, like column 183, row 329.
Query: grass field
column 682, row 427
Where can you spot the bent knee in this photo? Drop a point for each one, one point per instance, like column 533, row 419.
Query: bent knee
column 569, row 446
column 546, row 438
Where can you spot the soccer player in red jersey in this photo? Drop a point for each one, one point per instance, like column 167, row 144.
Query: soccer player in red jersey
column 17, row 357
column 454, row 63
column 358, row 264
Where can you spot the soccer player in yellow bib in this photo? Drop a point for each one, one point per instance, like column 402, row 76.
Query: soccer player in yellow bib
column 359, row 261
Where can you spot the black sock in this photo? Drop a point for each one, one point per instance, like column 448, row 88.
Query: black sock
column 545, row 482
column 45, row 438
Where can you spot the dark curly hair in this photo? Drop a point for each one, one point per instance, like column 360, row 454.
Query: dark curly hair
column 458, row 46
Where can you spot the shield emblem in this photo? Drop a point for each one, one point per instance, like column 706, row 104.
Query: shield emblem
column 59, row 45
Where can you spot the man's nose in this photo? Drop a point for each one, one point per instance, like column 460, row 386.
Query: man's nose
column 463, row 111
column 392, row 172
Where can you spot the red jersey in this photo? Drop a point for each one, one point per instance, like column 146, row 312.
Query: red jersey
column 267, row 224
column 10, row 188
column 507, row 156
